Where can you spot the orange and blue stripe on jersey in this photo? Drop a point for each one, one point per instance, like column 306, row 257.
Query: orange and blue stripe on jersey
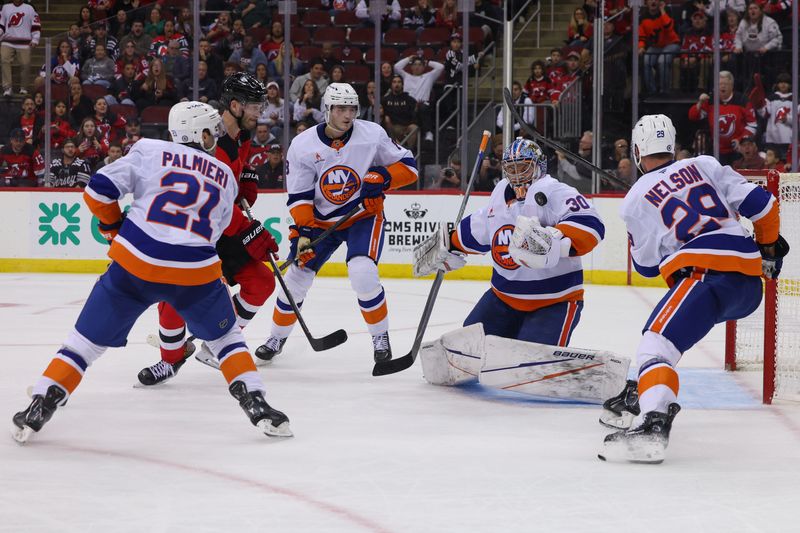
column 463, row 239
column 159, row 262
column 585, row 232
column 715, row 251
column 762, row 210
column 529, row 295
column 101, row 197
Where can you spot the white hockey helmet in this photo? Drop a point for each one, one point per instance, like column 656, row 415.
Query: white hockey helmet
column 653, row 134
column 188, row 120
column 339, row 94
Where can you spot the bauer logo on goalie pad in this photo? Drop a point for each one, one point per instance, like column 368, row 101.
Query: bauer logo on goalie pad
column 338, row 184
column 500, row 242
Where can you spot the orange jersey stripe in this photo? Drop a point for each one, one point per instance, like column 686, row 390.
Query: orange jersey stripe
column 375, row 238
column 672, row 305
column 767, row 227
column 402, row 175
column 106, row 213
column 376, row 315
column 662, row 375
column 283, row 319
column 64, row 374
column 532, row 305
column 303, row 215
column 456, row 242
column 583, row 241
column 721, row 263
column 236, row 364
column 163, row 274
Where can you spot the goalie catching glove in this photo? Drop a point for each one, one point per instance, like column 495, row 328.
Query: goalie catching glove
column 536, row 246
column 435, row 253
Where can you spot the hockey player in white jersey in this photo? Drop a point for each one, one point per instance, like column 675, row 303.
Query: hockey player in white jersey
column 535, row 228
column 162, row 250
column 681, row 218
column 331, row 169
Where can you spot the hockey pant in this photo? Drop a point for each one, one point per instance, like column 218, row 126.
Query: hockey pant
column 256, row 283
column 364, row 241
column 681, row 319
column 119, row 298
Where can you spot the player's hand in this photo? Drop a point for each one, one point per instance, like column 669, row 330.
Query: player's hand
column 372, row 189
column 109, row 231
column 258, row 242
column 772, row 257
column 305, row 253
column 248, row 187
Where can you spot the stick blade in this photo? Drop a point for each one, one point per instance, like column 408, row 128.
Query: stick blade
column 329, row 341
column 395, row 365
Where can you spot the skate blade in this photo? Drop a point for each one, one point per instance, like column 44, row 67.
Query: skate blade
column 261, row 362
column 21, row 435
column 207, row 358
column 612, row 420
column 272, row 431
column 140, row 385
column 638, row 452
column 29, row 391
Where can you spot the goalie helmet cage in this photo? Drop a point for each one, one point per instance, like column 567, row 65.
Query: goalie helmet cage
column 769, row 339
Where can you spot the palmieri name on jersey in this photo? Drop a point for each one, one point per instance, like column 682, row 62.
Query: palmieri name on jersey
column 195, row 163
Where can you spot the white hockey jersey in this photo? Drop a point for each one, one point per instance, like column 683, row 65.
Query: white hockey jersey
column 778, row 112
column 19, row 25
column 556, row 204
column 323, row 175
column 683, row 214
column 182, row 201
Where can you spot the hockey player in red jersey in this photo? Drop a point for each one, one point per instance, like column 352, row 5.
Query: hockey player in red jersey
column 242, row 97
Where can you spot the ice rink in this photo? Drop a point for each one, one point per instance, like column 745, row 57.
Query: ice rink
column 389, row 454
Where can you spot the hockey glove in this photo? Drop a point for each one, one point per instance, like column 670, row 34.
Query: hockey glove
column 436, row 253
column 375, row 182
column 248, row 187
column 772, row 257
column 258, row 242
column 536, row 246
column 109, row 231
column 305, row 252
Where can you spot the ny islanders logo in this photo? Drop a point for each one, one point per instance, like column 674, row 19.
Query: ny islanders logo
column 338, row 184
column 500, row 242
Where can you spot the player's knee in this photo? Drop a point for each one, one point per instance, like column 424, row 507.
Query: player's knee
column 232, row 338
column 299, row 279
column 363, row 274
column 656, row 346
column 88, row 350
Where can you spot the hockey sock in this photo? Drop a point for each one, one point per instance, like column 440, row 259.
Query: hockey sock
column 245, row 312
column 66, row 369
column 363, row 274
column 257, row 283
column 235, row 361
column 658, row 386
column 171, row 333
column 298, row 281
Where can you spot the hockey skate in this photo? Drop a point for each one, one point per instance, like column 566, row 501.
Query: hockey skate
column 619, row 411
column 267, row 351
column 645, row 443
column 162, row 371
column 272, row 422
column 37, row 414
column 205, row 356
column 383, row 351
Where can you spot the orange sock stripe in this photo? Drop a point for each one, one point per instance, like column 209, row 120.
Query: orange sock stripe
column 375, row 238
column 283, row 319
column 236, row 364
column 672, row 305
column 376, row 315
column 64, row 374
column 662, row 375
column 572, row 308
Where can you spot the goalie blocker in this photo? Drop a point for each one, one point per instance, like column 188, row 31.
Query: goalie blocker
column 467, row 354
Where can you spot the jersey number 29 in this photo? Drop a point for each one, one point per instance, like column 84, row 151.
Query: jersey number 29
column 184, row 199
column 685, row 216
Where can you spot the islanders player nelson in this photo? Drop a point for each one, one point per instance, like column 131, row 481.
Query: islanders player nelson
column 681, row 218
column 331, row 169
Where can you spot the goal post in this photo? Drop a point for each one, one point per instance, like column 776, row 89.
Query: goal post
column 769, row 339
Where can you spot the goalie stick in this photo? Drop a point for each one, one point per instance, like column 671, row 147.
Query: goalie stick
column 396, row 365
column 538, row 137
column 325, row 233
column 318, row 344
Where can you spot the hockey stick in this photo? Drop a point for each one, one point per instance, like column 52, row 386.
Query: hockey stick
column 325, row 233
column 401, row 363
column 538, row 137
column 323, row 343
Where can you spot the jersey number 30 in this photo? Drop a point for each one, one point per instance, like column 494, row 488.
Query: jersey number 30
column 685, row 216
column 184, row 200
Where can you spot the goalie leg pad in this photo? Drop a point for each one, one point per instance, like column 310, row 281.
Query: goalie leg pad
column 455, row 358
column 552, row 371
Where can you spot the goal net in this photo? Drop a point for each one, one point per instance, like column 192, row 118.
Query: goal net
column 769, row 340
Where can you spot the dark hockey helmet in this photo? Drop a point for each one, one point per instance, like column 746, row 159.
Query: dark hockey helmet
column 243, row 87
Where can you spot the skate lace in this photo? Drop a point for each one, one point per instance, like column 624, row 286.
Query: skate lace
column 381, row 342
column 273, row 343
column 162, row 369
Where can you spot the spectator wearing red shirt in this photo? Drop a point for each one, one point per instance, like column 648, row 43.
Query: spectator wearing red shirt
column 736, row 117
column 109, row 125
column 28, row 121
column 272, row 45
column 579, row 30
column 696, row 47
column 60, row 128
column 129, row 55
column 555, row 67
column 658, row 43
column 447, row 16
column 539, row 89
column 22, row 164
column 750, row 159
column 571, row 74
column 92, row 147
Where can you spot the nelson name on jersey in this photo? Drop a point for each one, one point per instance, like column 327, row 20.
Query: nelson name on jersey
column 198, row 163
column 683, row 177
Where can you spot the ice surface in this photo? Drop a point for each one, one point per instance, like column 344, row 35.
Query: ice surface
column 390, row 454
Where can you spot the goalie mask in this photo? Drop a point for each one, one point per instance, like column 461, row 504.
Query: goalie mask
column 523, row 163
